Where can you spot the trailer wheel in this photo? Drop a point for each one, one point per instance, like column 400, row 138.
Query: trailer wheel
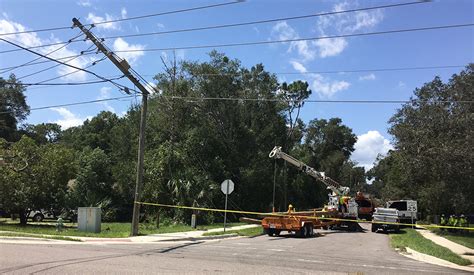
column 277, row 232
column 308, row 230
column 302, row 233
column 270, row 232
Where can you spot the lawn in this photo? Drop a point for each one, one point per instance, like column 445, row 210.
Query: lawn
column 466, row 239
column 18, row 234
column 412, row 239
column 247, row 232
column 109, row 230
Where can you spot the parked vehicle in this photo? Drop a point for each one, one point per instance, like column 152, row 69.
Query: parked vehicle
column 41, row 214
column 407, row 210
column 385, row 219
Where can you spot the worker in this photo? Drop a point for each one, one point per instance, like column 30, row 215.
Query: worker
column 463, row 221
column 290, row 209
column 456, row 221
column 451, row 222
column 342, row 207
column 443, row 222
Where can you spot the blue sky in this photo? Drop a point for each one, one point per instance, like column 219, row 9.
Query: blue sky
column 369, row 122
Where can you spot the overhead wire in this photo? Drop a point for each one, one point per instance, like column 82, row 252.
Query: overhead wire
column 46, row 54
column 65, row 64
column 54, row 66
column 62, row 83
column 244, row 23
column 255, row 99
column 127, row 19
column 300, row 39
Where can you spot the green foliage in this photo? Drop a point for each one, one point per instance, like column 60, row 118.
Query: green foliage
column 431, row 162
column 93, row 183
column 34, row 176
column 13, row 107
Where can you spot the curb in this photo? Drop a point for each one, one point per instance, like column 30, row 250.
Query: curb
column 215, row 237
column 418, row 256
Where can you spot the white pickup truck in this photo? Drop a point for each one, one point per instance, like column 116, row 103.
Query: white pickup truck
column 385, row 219
column 407, row 210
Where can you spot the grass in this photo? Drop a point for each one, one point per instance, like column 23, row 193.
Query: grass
column 109, row 230
column 247, row 232
column 466, row 238
column 16, row 234
column 414, row 240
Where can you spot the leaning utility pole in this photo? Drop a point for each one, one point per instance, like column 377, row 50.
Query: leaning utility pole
column 124, row 67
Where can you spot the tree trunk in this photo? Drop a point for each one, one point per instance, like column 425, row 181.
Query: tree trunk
column 23, row 217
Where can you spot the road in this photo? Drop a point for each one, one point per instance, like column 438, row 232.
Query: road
column 334, row 252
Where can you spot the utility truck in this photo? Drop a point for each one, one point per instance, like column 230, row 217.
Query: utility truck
column 407, row 210
column 340, row 213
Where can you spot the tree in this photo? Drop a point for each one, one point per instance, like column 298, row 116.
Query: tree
column 93, row 183
column 13, row 107
column 34, row 176
column 432, row 133
column 43, row 133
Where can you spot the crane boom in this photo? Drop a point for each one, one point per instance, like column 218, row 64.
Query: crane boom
column 330, row 183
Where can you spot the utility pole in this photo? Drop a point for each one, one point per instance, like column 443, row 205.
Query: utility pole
column 124, row 67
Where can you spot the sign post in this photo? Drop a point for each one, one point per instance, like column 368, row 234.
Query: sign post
column 227, row 187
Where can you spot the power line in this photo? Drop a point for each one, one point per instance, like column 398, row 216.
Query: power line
column 127, row 19
column 61, row 83
column 338, row 71
column 54, row 66
column 65, row 64
column 44, row 61
column 242, row 23
column 301, row 39
column 315, row 100
column 73, row 104
column 47, row 54
column 254, row 100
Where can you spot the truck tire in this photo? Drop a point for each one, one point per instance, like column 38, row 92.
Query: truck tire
column 277, row 232
column 38, row 218
column 374, row 228
column 301, row 233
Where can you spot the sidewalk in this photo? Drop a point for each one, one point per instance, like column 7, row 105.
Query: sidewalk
column 178, row 236
column 462, row 251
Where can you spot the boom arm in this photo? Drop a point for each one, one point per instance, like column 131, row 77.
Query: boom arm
column 330, row 183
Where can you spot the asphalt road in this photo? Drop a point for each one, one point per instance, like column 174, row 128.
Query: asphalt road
column 332, row 253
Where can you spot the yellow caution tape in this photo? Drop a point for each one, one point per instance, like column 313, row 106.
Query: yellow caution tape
column 296, row 216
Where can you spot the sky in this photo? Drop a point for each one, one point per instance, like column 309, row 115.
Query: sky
column 442, row 47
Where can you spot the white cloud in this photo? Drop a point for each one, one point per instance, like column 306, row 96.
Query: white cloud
column 124, row 13
column 368, row 147
column 344, row 23
column 323, row 86
column 104, row 94
column 84, row 3
column 32, row 39
column 68, row 118
column 131, row 57
column 330, row 47
column 160, row 26
column 92, row 18
column 283, row 31
column 29, row 39
column 298, row 66
column 401, row 84
column 367, row 77
column 327, row 88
